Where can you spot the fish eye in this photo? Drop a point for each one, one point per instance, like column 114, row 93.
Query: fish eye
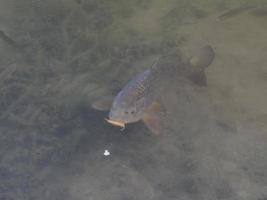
column 131, row 112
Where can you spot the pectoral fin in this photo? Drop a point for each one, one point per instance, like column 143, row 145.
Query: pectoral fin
column 154, row 118
column 104, row 103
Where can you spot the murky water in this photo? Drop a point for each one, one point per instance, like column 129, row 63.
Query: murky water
column 57, row 57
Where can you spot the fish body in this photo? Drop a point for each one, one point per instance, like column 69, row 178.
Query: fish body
column 130, row 103
column 138, row 100
column 139, row 96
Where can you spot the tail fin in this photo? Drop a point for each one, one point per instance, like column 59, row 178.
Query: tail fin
column 201, row 60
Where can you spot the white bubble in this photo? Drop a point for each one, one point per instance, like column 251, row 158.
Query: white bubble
column 106, row 153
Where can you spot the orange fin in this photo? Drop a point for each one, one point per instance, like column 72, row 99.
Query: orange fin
column 104, row 103
column 154, row 118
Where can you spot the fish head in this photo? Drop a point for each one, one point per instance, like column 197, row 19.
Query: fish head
column 132, row 101
column 126, row 110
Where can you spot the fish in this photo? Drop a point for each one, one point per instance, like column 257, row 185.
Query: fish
column 259, row 12
column 10, row 42
column 140, row 98
column 234, row 12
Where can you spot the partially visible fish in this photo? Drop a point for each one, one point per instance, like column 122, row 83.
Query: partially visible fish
column 138, row 100
column 10, row 42
column 233, row 12
column 259, row 12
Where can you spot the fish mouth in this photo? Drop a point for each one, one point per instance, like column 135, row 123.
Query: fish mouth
column 116, row 123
